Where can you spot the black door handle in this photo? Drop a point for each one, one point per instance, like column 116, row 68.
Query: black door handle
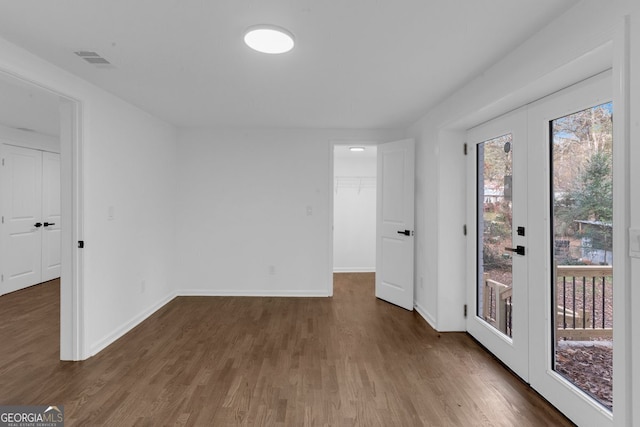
column 405, row 232
column 37, row 225
column 46, row 224
column 518, row 249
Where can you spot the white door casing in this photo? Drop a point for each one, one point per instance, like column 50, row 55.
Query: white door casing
column 395, row 222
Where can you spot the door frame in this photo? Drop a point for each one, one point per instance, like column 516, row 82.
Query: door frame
column 72, row 212
column 360, row 142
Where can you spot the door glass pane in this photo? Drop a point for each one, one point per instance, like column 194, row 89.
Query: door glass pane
column 582, row 205
column 495, row 272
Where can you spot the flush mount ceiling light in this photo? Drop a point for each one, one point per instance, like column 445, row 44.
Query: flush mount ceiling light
column 268, row 39
column 356, row 148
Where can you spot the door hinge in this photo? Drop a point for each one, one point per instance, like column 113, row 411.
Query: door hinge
column 2, row 162
column 464, row 229
column 465, row 310
column 80, row 244
column 3, row 219
column 465, row 149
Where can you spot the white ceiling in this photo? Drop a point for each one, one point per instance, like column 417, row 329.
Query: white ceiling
column 356, row 64
column 343, row 151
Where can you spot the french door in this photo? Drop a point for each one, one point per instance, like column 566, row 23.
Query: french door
column 497, row 189
column 541, row 275
column 571, row 261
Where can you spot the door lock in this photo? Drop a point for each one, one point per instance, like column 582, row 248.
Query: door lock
column 518, row 249
column 37, row 225
column 46, row 224
column 405, row 232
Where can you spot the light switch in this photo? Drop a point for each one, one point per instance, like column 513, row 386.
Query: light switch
column 634, row 242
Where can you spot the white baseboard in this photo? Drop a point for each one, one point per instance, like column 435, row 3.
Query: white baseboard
column 251, row 293
column 128, row 326
column 354, row 269
column 428, row 318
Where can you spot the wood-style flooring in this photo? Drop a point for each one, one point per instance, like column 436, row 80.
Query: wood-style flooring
column 350, row 360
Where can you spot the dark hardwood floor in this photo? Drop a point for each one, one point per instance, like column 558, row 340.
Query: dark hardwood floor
column 208, row 361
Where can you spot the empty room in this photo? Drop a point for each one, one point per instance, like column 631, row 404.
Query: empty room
column 306, row 213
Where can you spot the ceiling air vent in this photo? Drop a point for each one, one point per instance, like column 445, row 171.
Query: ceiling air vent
column 93, row 58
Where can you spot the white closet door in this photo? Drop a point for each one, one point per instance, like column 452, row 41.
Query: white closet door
column 50, row 216
column 394, row 222
column 21, row 190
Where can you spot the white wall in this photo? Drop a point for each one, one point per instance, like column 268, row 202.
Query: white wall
column 354, row 210
column 243, row 196
column 128, row 163
column 129, row 167
column 35, row 140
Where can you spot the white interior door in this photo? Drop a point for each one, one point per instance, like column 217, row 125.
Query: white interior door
column 21, row 218
column 498, row 230
column 50, row 216
column 394, row 223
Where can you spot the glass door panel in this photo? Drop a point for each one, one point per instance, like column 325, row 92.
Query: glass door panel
column 494, row 229
column 582, row 236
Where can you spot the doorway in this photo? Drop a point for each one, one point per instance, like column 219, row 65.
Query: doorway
column 354, row 208
column 46, row 121
column 354, row 214
column 393, row 218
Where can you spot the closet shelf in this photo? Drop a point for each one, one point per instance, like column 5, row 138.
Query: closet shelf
column 358, row 182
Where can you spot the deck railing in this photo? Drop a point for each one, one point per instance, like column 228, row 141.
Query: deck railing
column 496, row 304
column 583, row 294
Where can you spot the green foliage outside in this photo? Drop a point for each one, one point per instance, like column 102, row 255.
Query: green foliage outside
column 583, row 184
